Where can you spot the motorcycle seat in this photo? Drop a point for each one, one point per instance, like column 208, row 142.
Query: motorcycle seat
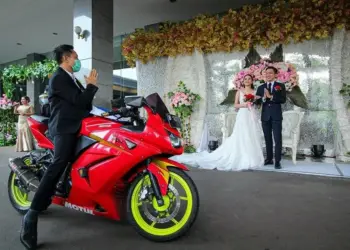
column 41, row 119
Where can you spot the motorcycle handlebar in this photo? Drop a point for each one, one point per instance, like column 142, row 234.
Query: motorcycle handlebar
column 124, row 112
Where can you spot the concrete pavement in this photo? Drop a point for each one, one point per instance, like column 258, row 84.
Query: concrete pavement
column 243, row 211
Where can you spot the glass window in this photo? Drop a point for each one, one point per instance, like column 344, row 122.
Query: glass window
column 124, row 77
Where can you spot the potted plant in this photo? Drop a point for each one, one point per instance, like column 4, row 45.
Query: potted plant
column 318, row 149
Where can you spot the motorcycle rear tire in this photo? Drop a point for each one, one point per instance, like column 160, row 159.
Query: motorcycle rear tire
column 17, row 197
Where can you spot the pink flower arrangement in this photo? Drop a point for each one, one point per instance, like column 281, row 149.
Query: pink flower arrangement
column 181, row 98
column 7, row 122
column 287, row 73
column 183, row 101
column 6, row 103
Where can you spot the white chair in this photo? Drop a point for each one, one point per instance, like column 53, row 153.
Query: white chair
column 291, row 131
column 229, row 122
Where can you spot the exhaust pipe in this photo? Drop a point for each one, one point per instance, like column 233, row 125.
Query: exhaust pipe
column 26, row 176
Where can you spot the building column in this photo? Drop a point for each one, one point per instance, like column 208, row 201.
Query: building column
column 95, row 17
column 339, row 103
column 35, row 87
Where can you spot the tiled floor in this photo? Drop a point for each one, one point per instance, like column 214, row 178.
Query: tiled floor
column 344, row 168
column 322, row 167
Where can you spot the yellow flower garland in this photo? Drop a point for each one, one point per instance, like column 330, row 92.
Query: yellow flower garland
column 282, row 22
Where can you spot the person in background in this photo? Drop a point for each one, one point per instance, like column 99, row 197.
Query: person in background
column 24, row 136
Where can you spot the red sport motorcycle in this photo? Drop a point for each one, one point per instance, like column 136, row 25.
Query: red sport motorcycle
column 120, row 169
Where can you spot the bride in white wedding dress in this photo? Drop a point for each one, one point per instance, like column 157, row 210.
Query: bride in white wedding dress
column 243, row 149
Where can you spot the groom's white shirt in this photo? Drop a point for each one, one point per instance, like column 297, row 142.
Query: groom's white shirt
column 271, row 88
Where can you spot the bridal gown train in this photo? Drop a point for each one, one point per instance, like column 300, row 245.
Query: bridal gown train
column 241, row 151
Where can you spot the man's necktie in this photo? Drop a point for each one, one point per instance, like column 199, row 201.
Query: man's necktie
column 78, row 84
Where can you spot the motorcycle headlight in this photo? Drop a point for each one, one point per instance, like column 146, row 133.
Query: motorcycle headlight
column 175, row 141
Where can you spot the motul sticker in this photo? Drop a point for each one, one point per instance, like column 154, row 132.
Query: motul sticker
column 78, row 208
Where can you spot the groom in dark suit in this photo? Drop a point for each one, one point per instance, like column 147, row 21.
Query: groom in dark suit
column 272, row 94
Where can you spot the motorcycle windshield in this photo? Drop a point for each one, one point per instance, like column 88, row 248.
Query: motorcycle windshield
column 157, row 104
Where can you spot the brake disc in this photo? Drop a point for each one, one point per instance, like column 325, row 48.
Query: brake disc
column 158, row 217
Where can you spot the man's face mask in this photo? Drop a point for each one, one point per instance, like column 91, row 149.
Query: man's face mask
column 76, row 66
column 74, row 62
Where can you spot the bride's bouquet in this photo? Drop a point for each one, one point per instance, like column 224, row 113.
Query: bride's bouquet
column 249, row 98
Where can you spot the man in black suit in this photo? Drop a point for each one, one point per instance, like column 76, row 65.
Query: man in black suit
column 70, row 102
column 272, row 94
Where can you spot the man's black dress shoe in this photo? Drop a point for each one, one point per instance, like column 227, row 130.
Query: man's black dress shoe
column 278, row 165
column 268, row 162
column 29, row 230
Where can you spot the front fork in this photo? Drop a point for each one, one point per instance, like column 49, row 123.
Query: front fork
column 159, row 175
column 159, row 178
column 155, row 187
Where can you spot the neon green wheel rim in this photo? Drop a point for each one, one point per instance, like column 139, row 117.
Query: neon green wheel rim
column 177, row 225
column 20, row 197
